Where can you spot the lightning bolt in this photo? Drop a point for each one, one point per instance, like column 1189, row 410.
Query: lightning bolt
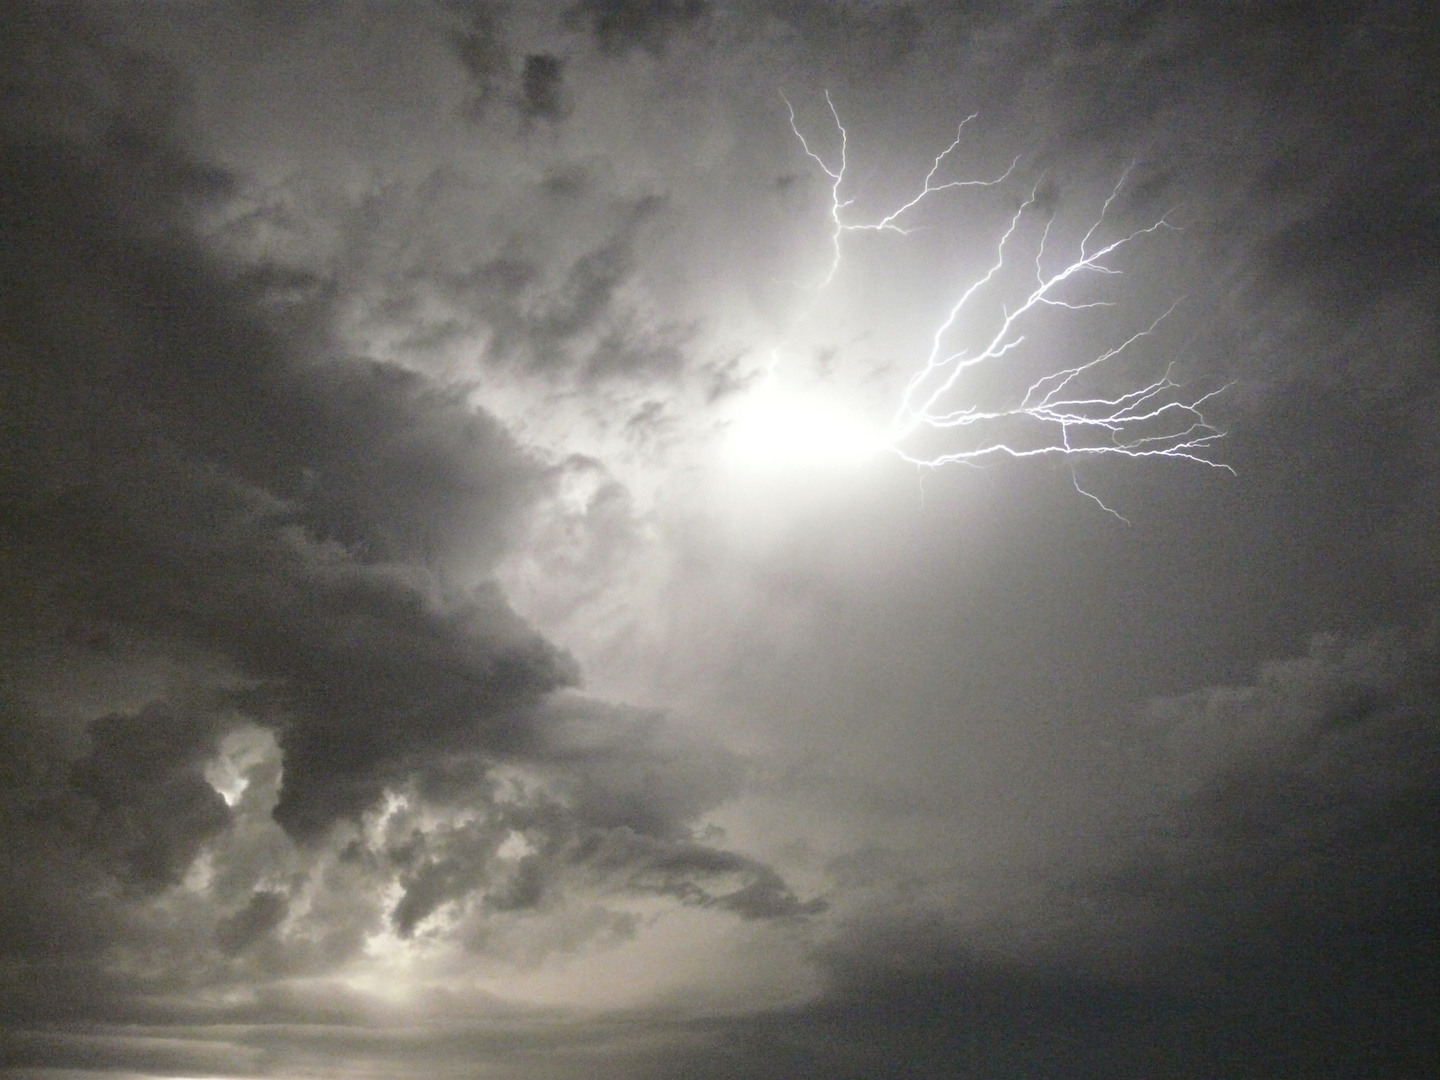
column 1055, row 414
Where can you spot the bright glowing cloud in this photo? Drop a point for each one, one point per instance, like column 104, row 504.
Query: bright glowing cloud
column 776, row 429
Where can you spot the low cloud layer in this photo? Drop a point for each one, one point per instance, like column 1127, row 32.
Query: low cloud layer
column 1261, row 903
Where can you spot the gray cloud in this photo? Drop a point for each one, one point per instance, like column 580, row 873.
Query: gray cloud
column 542, row 85
column 481, row 49
column 1260, row 906
column 621, row 26
column 535, row 288
column 587, row 292
column 265, row 911
column 233, row 523
column 144, row 803
column 231, row 549
column 619, row 794
column 863, row 40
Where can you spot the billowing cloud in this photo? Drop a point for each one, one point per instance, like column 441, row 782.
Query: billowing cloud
column 144, row 802
column 261, row 687
column 327, row 475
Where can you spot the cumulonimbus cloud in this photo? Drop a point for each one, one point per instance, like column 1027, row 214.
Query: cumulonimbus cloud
column 218, row 526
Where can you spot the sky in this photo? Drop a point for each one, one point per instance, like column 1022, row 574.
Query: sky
column 700, row 539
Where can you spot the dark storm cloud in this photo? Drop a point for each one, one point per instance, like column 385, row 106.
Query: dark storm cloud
column 172, row 471
column 365, row 711
column 542, row 86
column 621, row 26
column 1266, row 908
column 144, row 802
column 278, row 527
column 111, row 318
column 480, row 47
column 151, row 535
column 184, row 488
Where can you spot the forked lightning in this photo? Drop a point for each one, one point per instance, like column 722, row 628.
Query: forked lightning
column 937, row 424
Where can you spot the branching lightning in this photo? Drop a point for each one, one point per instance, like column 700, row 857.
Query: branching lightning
column 939, row 420
column 887, row 223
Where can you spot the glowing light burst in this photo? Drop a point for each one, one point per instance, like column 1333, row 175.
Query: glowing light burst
column 800, row 430
column 1064, row 411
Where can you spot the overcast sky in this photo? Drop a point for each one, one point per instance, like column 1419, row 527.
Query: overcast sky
column 470, row 607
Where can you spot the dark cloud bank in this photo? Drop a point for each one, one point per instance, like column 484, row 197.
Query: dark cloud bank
column 214, row 530
column 224, row 539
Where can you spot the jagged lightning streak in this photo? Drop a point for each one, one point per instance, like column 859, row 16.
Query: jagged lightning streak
column 888, row 222
column 1053, row 415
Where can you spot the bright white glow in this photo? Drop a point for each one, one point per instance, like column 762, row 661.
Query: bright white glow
column 239, row 752
column 201, row 873
column 774, row 430
column 222, row 775
column 514, row 847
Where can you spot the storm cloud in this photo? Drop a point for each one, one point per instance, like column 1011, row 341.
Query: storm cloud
column 408, row 666
column 231, row 545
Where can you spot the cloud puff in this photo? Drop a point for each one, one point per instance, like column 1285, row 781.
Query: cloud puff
column 480, row 47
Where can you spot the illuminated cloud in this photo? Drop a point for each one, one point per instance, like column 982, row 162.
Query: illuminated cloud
column 461, row 609
column 251, row 617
